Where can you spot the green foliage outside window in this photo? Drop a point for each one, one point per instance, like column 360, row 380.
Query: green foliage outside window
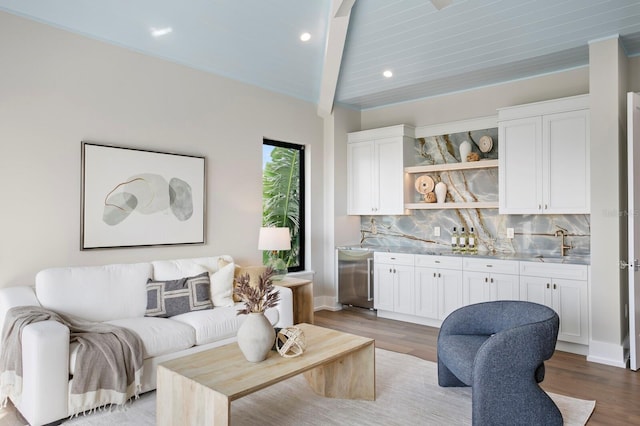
column 281, row 199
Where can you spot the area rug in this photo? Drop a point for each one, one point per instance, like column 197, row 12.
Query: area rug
column 407, row 392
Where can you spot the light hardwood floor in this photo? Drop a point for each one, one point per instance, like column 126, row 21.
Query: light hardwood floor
column 616, row 390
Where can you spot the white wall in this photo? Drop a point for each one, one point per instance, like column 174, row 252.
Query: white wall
column 341, row 229
column 58, row 89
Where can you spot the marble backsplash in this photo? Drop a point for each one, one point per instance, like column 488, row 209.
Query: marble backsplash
column 533, row 234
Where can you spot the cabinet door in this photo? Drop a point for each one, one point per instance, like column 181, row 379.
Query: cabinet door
column 404, row 291
column 476, row 287
column 390, row 176
column 504, row 287
column 570, row 302
column 536, row 290
column 520, row 171
column 566, row 162
column 383, row 286
column 426, row 288
column 360, row 178
column 450, row 292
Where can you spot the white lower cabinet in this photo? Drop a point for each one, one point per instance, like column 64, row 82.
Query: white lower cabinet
column 393, row 282
column 438, row 286
column 564, row 288
column 427, row 288
column 485, row 280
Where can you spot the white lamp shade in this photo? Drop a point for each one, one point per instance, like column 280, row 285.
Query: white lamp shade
column 274, row 239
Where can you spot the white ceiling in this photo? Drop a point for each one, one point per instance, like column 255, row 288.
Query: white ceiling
column 468, row 44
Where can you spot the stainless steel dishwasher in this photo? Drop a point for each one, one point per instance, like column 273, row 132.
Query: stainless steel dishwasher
column 355, row 277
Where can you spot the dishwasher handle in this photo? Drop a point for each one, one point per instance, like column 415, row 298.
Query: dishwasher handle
column 369, row 283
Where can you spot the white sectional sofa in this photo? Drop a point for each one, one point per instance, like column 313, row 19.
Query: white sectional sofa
column 116, row 294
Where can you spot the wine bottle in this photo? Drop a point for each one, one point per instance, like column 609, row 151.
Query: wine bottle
column 471, row 244
column 454, row 240
column 462, row 241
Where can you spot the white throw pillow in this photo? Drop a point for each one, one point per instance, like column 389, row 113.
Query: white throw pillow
column 222, row 286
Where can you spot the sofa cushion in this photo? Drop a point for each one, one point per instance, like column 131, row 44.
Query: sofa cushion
column 95, row 293
column 160, row 335
column 254, row 273
column 218, row 323
column 222, row 286
column 173, row 297
column 175, row 269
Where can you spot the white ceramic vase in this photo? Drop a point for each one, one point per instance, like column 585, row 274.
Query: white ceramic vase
column 441, row 192
column 256, row 337
column 465, row 149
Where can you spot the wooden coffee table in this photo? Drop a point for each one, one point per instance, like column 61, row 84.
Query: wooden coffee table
column 198, row 389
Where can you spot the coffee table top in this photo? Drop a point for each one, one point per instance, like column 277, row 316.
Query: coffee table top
column 225, row 370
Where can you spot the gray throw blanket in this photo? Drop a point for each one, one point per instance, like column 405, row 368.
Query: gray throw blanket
column 108, row 364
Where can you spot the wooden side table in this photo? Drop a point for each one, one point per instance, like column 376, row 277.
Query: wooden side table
column 302, row 298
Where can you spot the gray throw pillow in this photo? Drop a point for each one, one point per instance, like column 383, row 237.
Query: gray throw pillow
column 169, row 298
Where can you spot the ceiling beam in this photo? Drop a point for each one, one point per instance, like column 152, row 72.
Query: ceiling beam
column 336, row 36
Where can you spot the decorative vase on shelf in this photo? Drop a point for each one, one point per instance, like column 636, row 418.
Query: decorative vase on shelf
column 465, row 149
column 256, row 336
column 441, row 192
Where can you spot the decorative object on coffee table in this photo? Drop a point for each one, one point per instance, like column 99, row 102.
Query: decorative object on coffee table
column 291, row 342
column 256, row 334
column 273, row 240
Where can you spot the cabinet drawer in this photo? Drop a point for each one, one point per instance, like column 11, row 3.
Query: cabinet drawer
column 444, row 262
column 491, row 265
column 554, row 270
column 394, row 258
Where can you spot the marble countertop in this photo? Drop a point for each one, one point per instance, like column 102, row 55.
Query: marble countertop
column 528, row 257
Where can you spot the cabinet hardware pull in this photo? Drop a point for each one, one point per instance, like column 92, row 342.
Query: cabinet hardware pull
column 539, row 206
column 489, row 266
column 390, row 270
column 548, row 286
column 437, row 261
column 434, row 275
column 486, row 280
column 545, row 207
column 439, row 276
column 554, row 286
column 491, row 280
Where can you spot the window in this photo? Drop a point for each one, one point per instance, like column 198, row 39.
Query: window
column 283, row 196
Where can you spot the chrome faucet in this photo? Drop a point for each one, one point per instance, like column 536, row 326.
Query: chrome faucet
column 562, row 233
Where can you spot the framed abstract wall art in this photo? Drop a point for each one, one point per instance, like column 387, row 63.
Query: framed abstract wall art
column 134, row 197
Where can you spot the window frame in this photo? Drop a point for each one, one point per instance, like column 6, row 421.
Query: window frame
column 302, row 202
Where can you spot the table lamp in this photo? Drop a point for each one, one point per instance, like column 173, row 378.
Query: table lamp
column 273, row 240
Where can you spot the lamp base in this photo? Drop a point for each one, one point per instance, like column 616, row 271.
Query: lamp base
column 278, row 274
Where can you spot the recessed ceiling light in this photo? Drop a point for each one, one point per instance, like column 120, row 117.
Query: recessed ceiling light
column 305, row 36
column 388, row 74
column 159, row 32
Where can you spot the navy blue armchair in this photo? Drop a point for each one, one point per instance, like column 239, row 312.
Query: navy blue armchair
column 499, row 348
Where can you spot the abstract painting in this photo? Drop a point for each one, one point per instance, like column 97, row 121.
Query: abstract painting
column 133, row 197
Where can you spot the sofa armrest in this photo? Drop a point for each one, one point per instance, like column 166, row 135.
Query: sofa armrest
column 45, row 372
column 285, row 307
column 10, row 297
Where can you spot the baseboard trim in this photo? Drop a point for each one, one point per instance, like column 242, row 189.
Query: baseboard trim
column 410, row 318
column 607, row 353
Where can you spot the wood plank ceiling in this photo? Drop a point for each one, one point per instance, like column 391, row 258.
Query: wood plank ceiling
column 468, row 44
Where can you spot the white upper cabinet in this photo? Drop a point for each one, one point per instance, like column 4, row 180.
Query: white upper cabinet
column 544, row 157
column 375, row 170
